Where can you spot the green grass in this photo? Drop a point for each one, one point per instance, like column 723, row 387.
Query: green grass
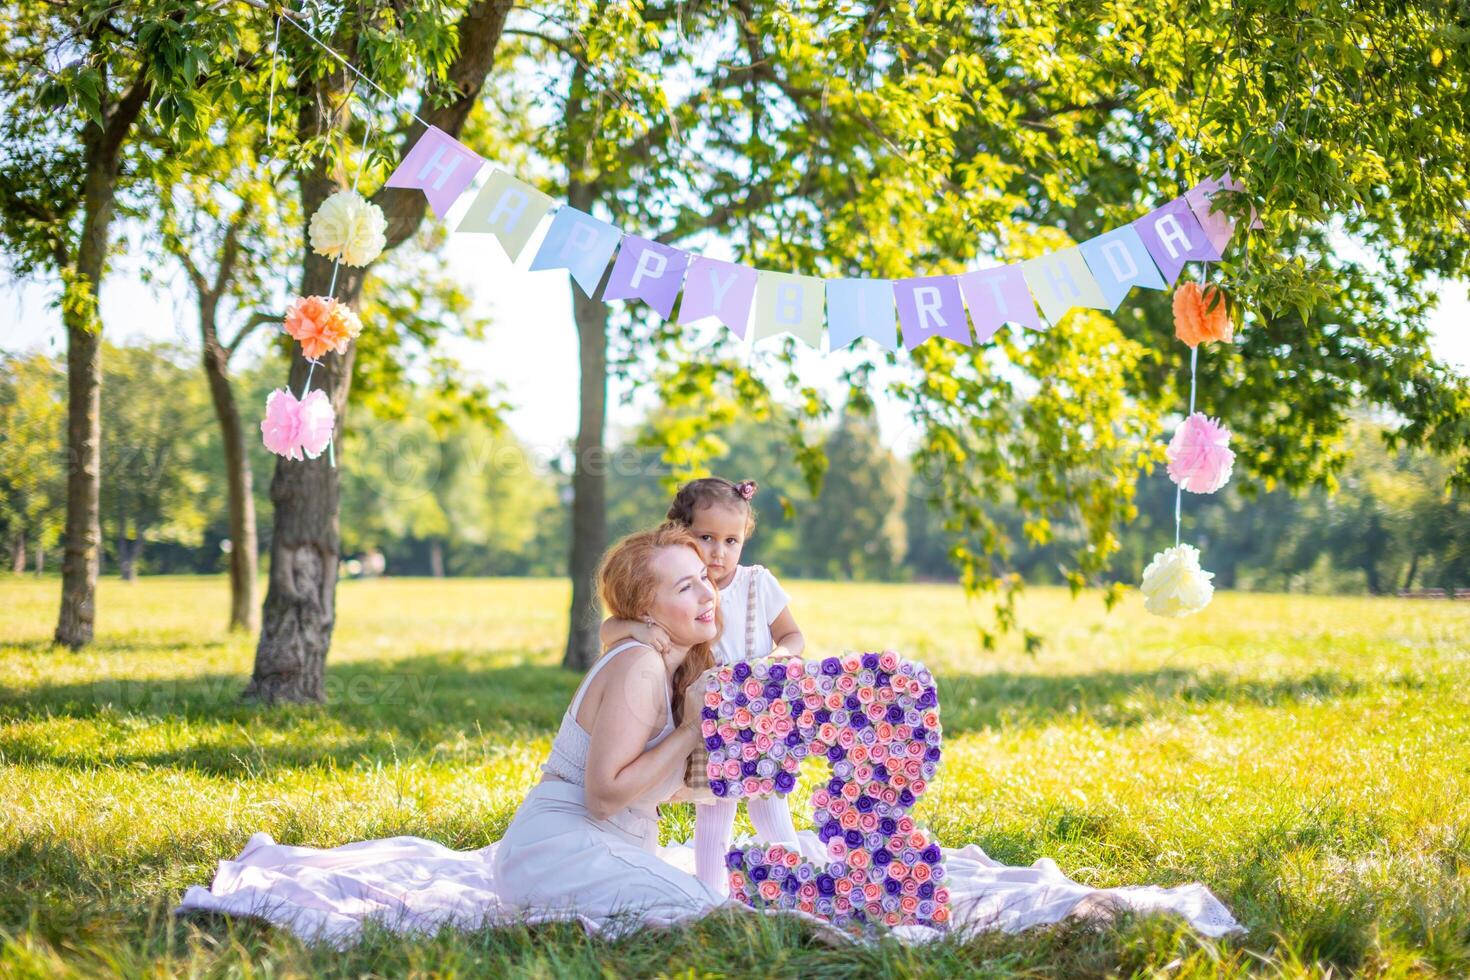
column 1306, row 758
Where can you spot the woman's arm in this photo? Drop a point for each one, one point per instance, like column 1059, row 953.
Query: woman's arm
column 630, row 712
column 786, row 635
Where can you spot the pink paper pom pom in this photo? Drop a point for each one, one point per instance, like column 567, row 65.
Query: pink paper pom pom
column 292, row 428
column 1200, row 458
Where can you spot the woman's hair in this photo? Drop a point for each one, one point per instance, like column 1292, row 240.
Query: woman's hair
column 627, row 584
column 712, row 490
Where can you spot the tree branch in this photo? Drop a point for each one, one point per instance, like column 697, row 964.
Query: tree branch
column 246, row 329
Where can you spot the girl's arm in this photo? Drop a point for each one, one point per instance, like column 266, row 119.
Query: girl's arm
column 786, row 635
column 629, row 713
column 614, row 631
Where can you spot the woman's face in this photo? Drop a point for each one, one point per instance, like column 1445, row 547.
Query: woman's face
column 684, row 604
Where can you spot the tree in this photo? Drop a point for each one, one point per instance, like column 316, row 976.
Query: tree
column 32, row 426
column 855, row 529
column 220, row 219
column 76, row 78
column 392, row 42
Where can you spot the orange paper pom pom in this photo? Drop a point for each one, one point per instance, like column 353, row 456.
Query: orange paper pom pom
column 321, row 324
column 1195, row 322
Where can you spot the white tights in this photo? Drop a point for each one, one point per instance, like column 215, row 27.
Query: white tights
column 714, row 824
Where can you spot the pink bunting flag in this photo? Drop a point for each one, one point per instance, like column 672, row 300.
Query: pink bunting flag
column 439, row 165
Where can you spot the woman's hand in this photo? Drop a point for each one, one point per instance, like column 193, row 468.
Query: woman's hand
column 694, row 700
column 779, row 652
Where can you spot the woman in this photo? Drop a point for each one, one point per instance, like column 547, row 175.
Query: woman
column 584, row 841
column 583, row 844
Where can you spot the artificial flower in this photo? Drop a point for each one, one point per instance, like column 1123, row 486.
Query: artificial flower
column 1174, row 584
column 321, row 324
column 348, row 227
column 1200, row 457
column 294, row 429
column 1200, row 315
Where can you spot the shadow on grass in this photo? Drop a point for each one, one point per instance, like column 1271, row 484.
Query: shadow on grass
column 406, row 709
column 106, row 645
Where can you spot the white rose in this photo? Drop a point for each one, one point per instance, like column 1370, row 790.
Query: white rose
column 349, row 227
column 1174, row 584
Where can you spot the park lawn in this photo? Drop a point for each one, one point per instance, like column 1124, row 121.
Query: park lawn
column 1307, row 758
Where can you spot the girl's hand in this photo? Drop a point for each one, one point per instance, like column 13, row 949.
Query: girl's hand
column 694, row 700
column 687, row 794
column 781, row 653
column 651, row 635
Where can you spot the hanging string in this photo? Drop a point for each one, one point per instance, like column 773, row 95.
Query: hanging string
column 270, row 111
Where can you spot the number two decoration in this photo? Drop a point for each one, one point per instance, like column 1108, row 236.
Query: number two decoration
column 875, row 718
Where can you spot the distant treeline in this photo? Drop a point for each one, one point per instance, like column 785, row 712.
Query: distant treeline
column 439, row 492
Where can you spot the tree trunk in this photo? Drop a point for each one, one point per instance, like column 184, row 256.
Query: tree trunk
column 124, row 552
column 18, row 552
column 102, row 148
column 1413, row 570
column 436, row 558
column 40, row 559
column 300, row 601
column 239, row 485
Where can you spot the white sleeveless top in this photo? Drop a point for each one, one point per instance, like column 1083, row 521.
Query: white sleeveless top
column 568, row 758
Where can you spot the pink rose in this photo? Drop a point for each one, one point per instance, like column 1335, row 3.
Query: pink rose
column 849, row 820
column 841, row 904
column 868, row 822
column 763, row 743
column 780, row 709
column 768, row 786
column 791, row 860
column 844, row 886
column 808, row 892
column 941, row 896
column 890, row 796
column 712, row 700
column 922, row 871
column 877, row 753
column 851, row 791
column 852, row 663
column 917, row 787
column 872, row 891
column 821, row 798
column 827, row 733
column 752, row 786
column 732, row 769
column 833, row 701
column 753, row 688
column 910, row 884
column 749, row 752
column 707, row 727
column 858, row 858
column 846, row 738
column 867, row 695
column 769, row 890
column 931, row 719
column 847, row 683
column 742, row 718
column 888, row 660
column 892, row 919
column 858, row 753
column 909, row 904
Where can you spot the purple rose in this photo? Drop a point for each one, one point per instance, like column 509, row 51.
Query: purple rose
column 888, row 826
column 852, row 703
column 854, row 838
column 880, row 772
column 859, row 721
column 881, row 856
column 708, row 713
column 746, row 735
column 892, row 886
column 835, row 786
column 791, row 884
column 714, row 742
column 870, row 661
column 778, row 672
column 926, row 890
column 929, row 699
column 785, row 782
column 742, row 671
column 718, row 787
column 741, row 700
column 831, row 666
column 825, row 885
column 932, row 754
column 931, row 854
column 864, row 804
column 772, row 690
column 835, row 753
column 905, row 798
column 760, row 872
column 735, row 860
column 822, row 715
column 793, row 738
column 895, row 714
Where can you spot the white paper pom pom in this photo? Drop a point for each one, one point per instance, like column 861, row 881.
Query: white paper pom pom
column 1174, row 584
column 348, row 226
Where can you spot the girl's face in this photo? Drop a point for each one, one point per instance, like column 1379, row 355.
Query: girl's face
column 685, row 603
column 719, row 530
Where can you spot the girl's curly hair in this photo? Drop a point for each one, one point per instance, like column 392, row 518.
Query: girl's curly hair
column 712, row 490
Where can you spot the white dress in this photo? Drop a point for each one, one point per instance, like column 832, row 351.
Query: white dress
column 556, row 862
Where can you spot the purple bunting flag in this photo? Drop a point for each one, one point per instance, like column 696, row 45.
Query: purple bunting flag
column 998, row 296
column 439, row 165
column 1218, row 226
column 722, row 290
column 648, row 271
column 1173, row 237
column 931, row 306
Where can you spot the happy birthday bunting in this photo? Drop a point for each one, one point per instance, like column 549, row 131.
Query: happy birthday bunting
column 1218, row 227
column 508, row 208
column 1061, row 281
column 929, row 307
column 1119, row 261
column 439, row 165
column 649, row 271
column 996, row 297
column 579, row 243
column 1173, row 237
column 860, row 308
column 785, row 303
column 722, row 290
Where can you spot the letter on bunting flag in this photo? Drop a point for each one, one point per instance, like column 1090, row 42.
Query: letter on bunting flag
column 722, row 290
column 439, row 165
column 1173, row 237
column 649, row 271
column 998, row 296
column 1060, row 281
column 860, row 308
column 788, row 304
column 1218, row 226
column 931, row 306
column 507, row 208
column 1119, row 262
column 580, row 243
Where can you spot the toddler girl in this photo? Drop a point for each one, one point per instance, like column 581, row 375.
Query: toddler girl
column 758, row 623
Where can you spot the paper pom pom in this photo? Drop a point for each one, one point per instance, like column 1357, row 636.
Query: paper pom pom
column 1195, row 322
column 1200, row 458
column 349, row 227
column 292, row 428
column 1174, row 584
column 321, row 324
